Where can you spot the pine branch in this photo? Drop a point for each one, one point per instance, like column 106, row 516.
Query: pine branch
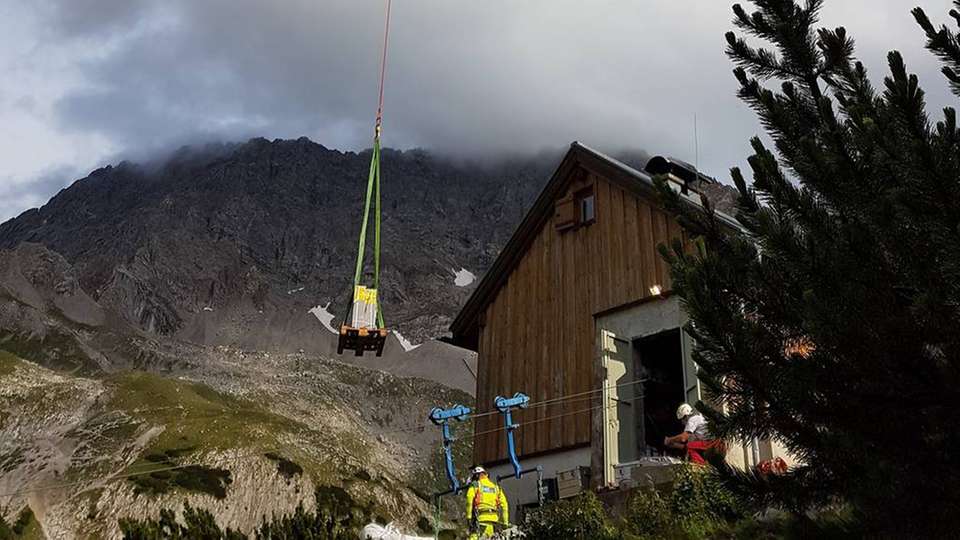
column 944, row 44
column 848, row 244
column 760, row 63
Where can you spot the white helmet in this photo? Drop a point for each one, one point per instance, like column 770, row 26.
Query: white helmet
column 477, row 471
column 684, row 410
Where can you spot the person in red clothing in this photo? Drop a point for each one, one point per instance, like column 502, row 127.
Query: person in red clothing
column 695, row 437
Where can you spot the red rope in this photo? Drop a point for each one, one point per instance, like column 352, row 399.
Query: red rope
column 383, row 68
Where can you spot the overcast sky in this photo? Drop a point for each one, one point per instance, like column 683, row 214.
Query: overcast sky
column 84, row 83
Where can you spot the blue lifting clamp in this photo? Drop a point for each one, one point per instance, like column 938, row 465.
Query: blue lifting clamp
column 506, row 406
column 441, row 417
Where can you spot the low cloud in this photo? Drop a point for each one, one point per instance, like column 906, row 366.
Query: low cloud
column 464, row 78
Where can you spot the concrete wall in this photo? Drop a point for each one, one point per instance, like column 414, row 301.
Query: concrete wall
column 643, row 319
column 653, row 317
column 524, row 490
column 615, row 421
column 630, row 323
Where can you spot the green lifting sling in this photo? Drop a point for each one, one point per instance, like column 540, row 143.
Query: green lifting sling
column 362, row 328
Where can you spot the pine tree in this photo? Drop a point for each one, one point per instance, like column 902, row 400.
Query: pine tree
column 336, row 516
column 199, row 524
column 829, row 319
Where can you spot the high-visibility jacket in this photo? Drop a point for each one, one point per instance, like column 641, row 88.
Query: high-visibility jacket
column 486, row 501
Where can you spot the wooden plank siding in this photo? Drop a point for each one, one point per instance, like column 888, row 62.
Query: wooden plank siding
column 538, row 334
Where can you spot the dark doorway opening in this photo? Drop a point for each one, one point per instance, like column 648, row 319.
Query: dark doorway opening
column 659, row 360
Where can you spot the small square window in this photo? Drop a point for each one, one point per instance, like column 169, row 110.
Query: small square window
column 586, row 207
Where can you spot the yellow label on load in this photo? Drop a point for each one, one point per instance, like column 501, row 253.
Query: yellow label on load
column 365, row 295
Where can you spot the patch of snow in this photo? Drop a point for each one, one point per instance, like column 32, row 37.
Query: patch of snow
column 404, row 342
column 463, row 278
column 291, row 291
column 325, row 317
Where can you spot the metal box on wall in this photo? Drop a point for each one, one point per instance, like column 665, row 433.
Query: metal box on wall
column 571, row 482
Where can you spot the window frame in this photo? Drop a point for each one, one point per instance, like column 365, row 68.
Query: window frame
column 579, row 198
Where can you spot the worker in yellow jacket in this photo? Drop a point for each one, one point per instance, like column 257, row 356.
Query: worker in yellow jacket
column 486, row 505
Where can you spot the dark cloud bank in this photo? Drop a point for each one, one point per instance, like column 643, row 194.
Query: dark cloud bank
column 472, row 79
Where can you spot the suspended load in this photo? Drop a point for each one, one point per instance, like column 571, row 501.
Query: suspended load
column 362, row 329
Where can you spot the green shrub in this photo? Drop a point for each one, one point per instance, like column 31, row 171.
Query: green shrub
column 829, row 524
column 697, row 506
column 198, row 524
column 19, row 527
column 580, row 518
column 337, row 516
column 698, row 494
column 204, row 480
column 286, row 467
column 198, row 478
column 648, row 514
column 23, row 521
column 6, row 533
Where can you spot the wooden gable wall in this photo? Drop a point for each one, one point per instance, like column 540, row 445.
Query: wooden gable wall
column 537, row 334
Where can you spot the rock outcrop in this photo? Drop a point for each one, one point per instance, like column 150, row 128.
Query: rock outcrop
column 217, row 243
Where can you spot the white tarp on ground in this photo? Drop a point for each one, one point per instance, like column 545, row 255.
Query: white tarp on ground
column 325, row 317
column 404, row 342
column 388, row 532
column 463, row 277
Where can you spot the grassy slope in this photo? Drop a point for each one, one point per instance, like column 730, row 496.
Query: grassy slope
column 196, row 420
column 196, row 417
column 8, row 362
column 56, row 350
